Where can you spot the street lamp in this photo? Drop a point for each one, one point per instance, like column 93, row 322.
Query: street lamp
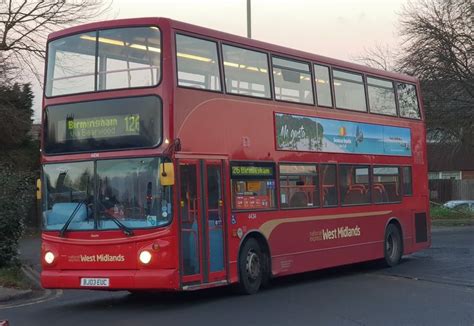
column 249, row 19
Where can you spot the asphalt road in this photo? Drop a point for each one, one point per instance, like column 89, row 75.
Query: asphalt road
column 433, row 287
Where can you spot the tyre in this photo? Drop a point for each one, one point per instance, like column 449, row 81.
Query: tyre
column 266, row 277
column 251, row 267
column 393, row 246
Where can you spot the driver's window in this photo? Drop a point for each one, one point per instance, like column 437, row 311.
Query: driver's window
column 128, row 190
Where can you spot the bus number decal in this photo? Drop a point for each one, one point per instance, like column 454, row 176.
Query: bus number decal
column 252, row 216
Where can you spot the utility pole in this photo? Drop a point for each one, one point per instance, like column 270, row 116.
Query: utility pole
column 249, row 19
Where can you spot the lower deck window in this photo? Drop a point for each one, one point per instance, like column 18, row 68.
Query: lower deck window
column 329, row 184
column 386, row 184
column 354, row 184
column 407, row 182
column 253, row 186
column 299, row 186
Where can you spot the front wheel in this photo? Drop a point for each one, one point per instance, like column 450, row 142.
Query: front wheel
column 393, row 246
column 251, row 264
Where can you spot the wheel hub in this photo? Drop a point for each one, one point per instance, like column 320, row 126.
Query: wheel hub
column 253, row 265
column 391, row 246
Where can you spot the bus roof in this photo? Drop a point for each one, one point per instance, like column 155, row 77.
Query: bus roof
column 246, row 42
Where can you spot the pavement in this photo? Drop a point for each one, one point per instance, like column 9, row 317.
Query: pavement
column 8, row 294
column 431, row 287
column 30, row 257
column 29, row 252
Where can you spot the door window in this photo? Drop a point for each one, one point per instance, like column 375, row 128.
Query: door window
column 215, row 218
column 189, row 219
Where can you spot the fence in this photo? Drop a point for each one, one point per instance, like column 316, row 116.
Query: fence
column 444, row 190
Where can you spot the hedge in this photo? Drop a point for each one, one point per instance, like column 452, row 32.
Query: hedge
column 16, row 197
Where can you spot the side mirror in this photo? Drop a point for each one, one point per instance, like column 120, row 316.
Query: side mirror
column 166, row 174
column 38, row 189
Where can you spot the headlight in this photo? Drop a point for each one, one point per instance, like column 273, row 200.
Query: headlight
column 49, row 257
column 145, row 257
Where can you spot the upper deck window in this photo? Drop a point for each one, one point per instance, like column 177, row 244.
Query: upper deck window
column 292, row 81
column 349, row 90
column 323, row 85
column 381, row 96
column 71, row 65
column 407, row 101
column 198, row 64
column 104, row 60
column 246, row 72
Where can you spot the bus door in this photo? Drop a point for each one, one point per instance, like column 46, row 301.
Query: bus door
column 202, row 221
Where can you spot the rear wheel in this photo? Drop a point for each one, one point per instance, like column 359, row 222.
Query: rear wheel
column 251, row 263
column 393, row 245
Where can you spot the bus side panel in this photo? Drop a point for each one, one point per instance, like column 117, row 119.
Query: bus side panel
column 304, row 246
column 331, row 241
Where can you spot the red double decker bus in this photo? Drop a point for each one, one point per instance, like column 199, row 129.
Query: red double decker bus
column 176, row 157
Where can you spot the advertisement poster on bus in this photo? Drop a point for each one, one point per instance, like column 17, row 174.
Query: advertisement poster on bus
column 302, row 133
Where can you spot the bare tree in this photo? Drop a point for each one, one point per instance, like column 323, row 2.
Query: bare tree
column 25, row 24
column 438, row 39
column 7, row 71
column 380, row 56
column 438, row 49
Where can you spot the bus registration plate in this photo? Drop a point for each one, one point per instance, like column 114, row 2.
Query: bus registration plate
column 95, row 282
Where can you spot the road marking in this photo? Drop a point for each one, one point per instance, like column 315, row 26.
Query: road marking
column 464, row 287
column 46, row 296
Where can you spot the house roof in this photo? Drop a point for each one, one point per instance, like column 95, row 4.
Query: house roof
column 441, row 157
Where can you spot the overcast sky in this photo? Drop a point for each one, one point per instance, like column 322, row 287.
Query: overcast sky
column 334, row 28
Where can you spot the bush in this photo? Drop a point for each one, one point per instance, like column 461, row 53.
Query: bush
column 441, row 212
column 16, row 197
column 16, row 111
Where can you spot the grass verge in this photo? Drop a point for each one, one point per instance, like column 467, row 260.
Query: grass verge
column 13, row 277
column 442, row 216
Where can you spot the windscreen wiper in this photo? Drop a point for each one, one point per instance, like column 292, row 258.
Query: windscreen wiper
column 71, row 217
column 126, row 230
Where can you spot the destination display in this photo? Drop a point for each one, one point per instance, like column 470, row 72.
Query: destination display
column 252, row 171
column 303, row 133
column 100, row 127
